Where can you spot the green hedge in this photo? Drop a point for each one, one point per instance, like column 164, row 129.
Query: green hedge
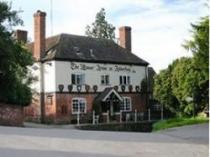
column 177, row 122
column 131, row 126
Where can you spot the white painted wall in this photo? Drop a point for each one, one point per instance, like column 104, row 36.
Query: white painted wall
column 64, row 69
column 49, row 76
column 35, row 71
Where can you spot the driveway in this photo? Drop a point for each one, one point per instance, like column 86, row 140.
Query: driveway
column 190, row 141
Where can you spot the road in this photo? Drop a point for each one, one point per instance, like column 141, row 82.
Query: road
column 190, row 141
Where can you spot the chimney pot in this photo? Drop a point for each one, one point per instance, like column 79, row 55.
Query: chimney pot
column 125, row 37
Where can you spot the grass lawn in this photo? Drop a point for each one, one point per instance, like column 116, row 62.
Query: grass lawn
column 175, row 122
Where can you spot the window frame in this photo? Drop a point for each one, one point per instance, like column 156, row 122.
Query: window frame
column 125, row 80
column 77, row 79
column 124, row 103
column 49, row 100
column 106, row 79
column 79, row 99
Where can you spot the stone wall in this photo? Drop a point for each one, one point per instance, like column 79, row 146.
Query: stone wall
column 11, row 115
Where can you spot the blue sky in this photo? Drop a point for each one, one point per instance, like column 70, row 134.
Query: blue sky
column 159, row 27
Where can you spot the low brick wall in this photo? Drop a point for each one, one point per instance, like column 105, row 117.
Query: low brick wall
column 11, row 115
column 143, row 126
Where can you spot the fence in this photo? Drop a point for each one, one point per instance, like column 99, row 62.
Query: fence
column 149, row 115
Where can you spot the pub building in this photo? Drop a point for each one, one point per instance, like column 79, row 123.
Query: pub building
column 78, row 74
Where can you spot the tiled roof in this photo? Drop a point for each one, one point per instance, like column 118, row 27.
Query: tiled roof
column 87, row 49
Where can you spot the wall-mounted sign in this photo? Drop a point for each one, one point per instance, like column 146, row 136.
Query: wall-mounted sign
column 99, row 67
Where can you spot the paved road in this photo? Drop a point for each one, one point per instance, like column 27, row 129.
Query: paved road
column 191, row 141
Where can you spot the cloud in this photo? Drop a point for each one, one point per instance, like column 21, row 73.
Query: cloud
column 159, row 27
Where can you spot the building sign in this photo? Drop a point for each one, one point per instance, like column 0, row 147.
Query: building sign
column 99, row 67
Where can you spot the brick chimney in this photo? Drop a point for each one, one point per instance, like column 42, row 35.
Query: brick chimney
column 125, row 37
column 39, row 34
column 21, row 35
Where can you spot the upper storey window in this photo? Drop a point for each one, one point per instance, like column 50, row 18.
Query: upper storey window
column 105, row 79
column 124, row 80
column 78, row 79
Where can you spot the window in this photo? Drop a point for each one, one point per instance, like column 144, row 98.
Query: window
column 105, row 79
column 124, row 80
column 78, row 79
column 126, row 104
column 49, row 100
column 78, row 105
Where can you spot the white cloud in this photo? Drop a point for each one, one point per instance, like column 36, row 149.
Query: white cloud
column 159, row 27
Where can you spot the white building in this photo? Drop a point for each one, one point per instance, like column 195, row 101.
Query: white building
column 82, row 74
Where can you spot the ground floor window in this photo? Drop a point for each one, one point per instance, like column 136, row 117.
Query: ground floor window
column 126, row 104
column 49, row 100
column 78, row 105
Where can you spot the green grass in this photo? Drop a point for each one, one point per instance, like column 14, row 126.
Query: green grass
column 176, row 122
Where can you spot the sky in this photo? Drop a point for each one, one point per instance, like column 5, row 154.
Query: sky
column 159, row 27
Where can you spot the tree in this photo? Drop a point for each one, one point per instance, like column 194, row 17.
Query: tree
column 101, row 28
column 187, row 77
column 14, row 59
column 185, row 83
column 163, row 90
column 199, row 46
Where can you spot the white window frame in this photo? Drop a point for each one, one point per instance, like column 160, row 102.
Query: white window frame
column 106, row 82
column 126, row 80
column 124, row 105
column 78, row 110
column 78, row 76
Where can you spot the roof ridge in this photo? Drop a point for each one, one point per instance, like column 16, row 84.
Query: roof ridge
column 83, row 36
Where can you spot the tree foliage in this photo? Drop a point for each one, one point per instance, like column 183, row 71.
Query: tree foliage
column 101, row 28
column 199, row 46
column 14, row 59
column 163, row 90
column 187, row 77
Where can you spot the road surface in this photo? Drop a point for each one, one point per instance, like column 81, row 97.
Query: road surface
column 189, row 141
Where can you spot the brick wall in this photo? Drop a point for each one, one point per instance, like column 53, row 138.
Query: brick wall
column 33, row 111
column 138, row 101
column 11, row 115
column 58, row 106
column 66, row 100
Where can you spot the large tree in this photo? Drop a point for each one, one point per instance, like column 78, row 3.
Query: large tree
column 163, row 90
column 185, row 84
column 14, row 59
column 199, row 46
column 101, row 28
column 187, row 77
